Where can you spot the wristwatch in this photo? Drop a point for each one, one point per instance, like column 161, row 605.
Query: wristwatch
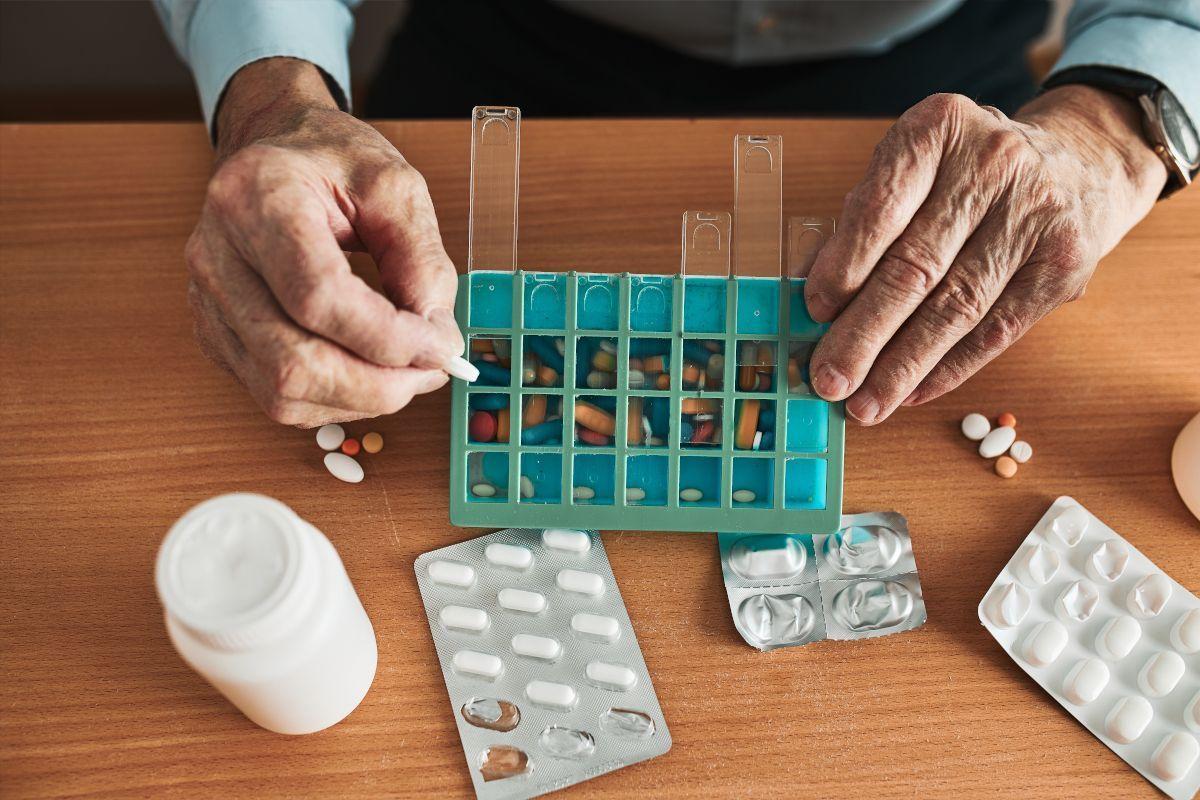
column 1166, row 126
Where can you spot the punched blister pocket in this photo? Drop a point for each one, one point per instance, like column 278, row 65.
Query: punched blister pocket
column 1110, row 637
column 546, row 679
column 792, row 589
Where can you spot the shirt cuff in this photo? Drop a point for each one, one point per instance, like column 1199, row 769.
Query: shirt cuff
column 1160, row 48
column 226, row 36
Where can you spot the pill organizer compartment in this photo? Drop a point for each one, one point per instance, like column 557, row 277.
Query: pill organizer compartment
column 651, row 402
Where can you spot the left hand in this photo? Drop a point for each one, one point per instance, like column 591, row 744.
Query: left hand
column 968, row 228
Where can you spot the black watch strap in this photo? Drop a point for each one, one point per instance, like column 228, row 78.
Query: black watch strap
column 1121, row 81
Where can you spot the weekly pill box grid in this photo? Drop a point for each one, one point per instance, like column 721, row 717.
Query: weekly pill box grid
column 797, row 484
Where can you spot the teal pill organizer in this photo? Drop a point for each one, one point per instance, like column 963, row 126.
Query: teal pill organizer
column 642, row 402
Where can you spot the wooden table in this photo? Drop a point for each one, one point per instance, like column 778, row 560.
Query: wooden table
column 113, row 424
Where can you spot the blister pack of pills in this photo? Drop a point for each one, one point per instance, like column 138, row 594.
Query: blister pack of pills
column 545, row 676
column 792, row 589
column 1110, row 637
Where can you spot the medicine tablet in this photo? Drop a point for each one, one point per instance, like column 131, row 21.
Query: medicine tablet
column 483, row 490
column 372, row 442
column 1118, row 637
column 596, row 626
column 1045, row 643
column 485, row 665
column 540, row 647
column 583, row 493
column 350, row 447
column 579, row 582
column 552, row 695
column 566, row 540
column 1128, row 719
column 1010, row 605
column 1086, row 681
column 452, row 573
column 343, row 467
column 744, row 496
column 691, row 495
column 512, row 556
column 1161, row 674
column 1007, row 420
column 610, row 676
column 521, row 600
column 1006, row 467
column 330, row 437
column 997, row 442
column 1021, row 451
column 1149, row 596
column 463, row 618
column 975, row 426
column 527, row 490
column 634, row 494
column 1185, row 633
column 1175, row 756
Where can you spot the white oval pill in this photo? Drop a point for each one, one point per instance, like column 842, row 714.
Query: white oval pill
column 583, row 493
column 343, row 467
column 1086, row 681
column 975, row 426
column 1128, row 719
column 635, row 494
column 1191, row 714
column 1045, row 643
column 1038, row 564
column 579, row 582
column 512, row 556
column 542, row 647
column 1185, row 633
column 1161, row 674
column 552, row 695
column 470, row 662
column 1070, row 524
column 1108, row 561
column 691, row 495
column 483, row 490
column 744, row 496
column 330, row 437
column 1118, row 637
column 1175, row 756
column 1021, row 451
column 996, row 442
column 451, row 573
column 1077, row 602
column 1149, row 596
column 464, row 618
column 611, row 676
column 595, row 626
column 527, row 490
column 1009, row 605
column 521, row 600
column 566, row 540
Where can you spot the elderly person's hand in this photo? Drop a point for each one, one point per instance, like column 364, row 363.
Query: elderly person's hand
column 968, row 228
column 273, row 297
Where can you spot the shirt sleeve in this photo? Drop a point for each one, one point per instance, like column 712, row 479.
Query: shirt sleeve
column 216, row 38
column 1157, row 38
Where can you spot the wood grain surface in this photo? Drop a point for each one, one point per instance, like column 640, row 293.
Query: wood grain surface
column 112, row 424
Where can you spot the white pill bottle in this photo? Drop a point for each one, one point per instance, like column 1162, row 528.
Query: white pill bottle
column 258, row 602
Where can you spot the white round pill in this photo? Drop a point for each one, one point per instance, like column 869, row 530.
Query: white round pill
column 1009, row 605
column 343, row 467
column 975, row 426
column 1161, row 674
column 1149, row 596
column 1045, row 643
column 1175, row 756
column 1021, row 451
column 1185, row 633
column 1086, row 681
column 996, row 442
column 1191, row 714
column 1118, row 637
column 330, row 437
column 1128, row 719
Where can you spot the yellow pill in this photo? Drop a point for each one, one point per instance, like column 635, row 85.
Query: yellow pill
column 372, row 442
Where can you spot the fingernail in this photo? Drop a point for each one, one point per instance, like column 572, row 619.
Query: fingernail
column 820, row 306
column 829, row 383
column 462, row 369
column 911, row 400
column 864, row 408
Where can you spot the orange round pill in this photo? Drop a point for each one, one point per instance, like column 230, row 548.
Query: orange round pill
column 350, row 447
column 1006, row 467
column 1007, row 420
column 372, row 442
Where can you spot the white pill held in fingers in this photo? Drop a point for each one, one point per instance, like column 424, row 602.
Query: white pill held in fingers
column 464, row 618
column 1118, row 637
column 542, row 647
column 343, row 467
column 1175, row 756
column 596, row 626
column 330, row 437
column 451, row 573
column 485, row 665
column 1021, row 451
column 579, row 582
column 611, row 676
column 512, row 556
column 522, row 600
column 462, row 369
column 996, row 442
column 1185, row 633
column 552, row 695
column 1128, row 719
column 1086, row 681
column 566, row 540
column 975, row 426
column 1161, row 674
column 1149, row 596
column 1045, row 643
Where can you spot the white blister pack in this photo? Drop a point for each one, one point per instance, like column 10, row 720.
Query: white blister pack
column 545, row 676
column 1110, row 637
column 791, row 589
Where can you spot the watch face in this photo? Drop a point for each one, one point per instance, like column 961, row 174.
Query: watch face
column 1178, row 128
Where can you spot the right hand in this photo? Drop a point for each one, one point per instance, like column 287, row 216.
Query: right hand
column 273, row 297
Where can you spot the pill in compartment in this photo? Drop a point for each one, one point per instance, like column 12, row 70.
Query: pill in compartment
column 562, row 742
column 491, row 713
column 1128, row 719
column 543, row 648
column 452, row 573
column 616, row 677
column 580, row 582
column 510, row 556
column 567, row 541
column 464, row 618
column 521, row 600
column 558, row 696
column 596, row 627
column 502, row 761
column 483, row 665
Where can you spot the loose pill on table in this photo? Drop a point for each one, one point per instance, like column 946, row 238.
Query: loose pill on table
column 1185, row 633
column 1161, row 674
column 1128, row 719
column 549, row 694
column 372, row 442
column 568, row 541
column 343, row 467
column 330, row 437
column 1045, row 643
column 1006, row 420
column 464, row 618
column 483, row 490
column 1086, row 681
column 974, row 426
column 610, row 676
column 1006, row 467
column 540, row 647
column 1175, row 756
column 1118, row 637
column 452, row 573
column 580, row 582
column 350, row 447
column 997, row 442
column 470, row 662
column 744, row 496
column 691, row 495
column 1021, row 451
column 596, row 626
column 521, row 600
column 511, row 556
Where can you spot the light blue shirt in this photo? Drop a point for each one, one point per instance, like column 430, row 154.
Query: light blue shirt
column 1158, row 38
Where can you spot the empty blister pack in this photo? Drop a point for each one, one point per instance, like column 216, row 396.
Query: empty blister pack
column 546, row 679
column 1110, row 637
column 791, row 589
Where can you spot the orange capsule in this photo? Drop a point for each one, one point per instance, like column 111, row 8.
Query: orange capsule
column 699, row 405
column 747, row 378
column 654, row 364
column 535, row 410
column 595, row 418
column 481, row 346
column 350, row 447
column 502, row 425
column 1007, row 420
column 546, row 376
column 633, row 434
column 691, row 372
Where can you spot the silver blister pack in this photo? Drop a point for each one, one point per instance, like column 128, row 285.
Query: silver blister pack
column 792, row 589
column 546, row 679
